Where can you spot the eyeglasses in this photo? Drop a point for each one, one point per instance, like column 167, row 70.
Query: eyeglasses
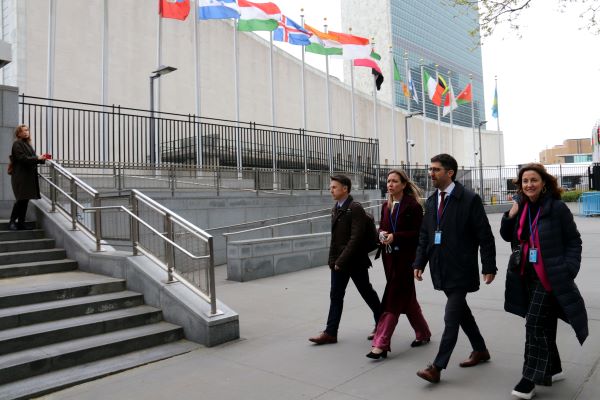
column 435, row 169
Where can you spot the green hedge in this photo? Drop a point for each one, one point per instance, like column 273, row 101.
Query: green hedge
column 572, row 195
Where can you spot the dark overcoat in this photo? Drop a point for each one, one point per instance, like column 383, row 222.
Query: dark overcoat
column 465, row 230
column 347, row 249
column 24, row 180
column 560, row 248
column 400, row 282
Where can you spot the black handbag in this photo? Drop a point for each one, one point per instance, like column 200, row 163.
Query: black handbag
column 514, row 261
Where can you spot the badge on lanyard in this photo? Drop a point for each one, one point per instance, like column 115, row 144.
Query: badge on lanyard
column 437, row 239
column 533, row 253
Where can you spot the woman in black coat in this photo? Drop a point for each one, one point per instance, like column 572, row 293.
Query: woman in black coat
column 399, row 235
column 540, row 283
column 24, row 178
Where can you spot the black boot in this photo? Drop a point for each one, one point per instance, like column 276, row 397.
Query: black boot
column 12, row 226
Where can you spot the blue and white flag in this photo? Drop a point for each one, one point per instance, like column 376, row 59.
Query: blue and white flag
column 412, row 88
column 218, row 9
column 291, row 32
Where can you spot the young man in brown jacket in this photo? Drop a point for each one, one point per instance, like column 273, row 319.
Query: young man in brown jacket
column 348, row 257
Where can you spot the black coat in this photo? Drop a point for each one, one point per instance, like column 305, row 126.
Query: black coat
column 347, row 249
column 24, row 180
column 465, row 229
column 560, row 247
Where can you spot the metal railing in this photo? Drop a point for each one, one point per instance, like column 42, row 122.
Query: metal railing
column 182, row 249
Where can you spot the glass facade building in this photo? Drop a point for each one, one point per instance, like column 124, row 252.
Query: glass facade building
column 430, row 33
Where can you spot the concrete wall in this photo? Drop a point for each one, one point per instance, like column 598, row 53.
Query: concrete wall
column 8, row 121
column 260, row 258
column 178, row 303
column 132, row 44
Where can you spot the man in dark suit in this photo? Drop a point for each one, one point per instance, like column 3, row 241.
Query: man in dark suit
column 455, row 226
column 348, row 257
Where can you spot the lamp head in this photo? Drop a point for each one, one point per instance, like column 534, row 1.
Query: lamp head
column 163, row 70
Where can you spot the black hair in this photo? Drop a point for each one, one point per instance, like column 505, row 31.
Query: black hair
column 343, row 179
column 448, row 163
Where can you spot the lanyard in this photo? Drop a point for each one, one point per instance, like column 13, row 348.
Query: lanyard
column 437, row 207
column 533, row 225
column 394, row 223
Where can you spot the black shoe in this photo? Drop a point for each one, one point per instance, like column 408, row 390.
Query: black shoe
column 525, row 389
column 418, row 343
column 24, row 226
column 13, row 227
column 377, row 356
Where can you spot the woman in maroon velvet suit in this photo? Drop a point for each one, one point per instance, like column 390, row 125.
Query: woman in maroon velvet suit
column 399, row 233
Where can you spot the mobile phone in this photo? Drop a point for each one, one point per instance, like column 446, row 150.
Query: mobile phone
column 516, row 197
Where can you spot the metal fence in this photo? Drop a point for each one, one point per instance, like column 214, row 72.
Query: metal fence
column 77, row 131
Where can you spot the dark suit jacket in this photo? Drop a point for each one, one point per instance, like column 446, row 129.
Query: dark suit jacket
column 24, row 179
column 465, row 229
column 347, row 231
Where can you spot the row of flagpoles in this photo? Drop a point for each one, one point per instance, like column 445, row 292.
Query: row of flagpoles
column 251, row 16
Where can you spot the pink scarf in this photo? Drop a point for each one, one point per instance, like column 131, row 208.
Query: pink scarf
column 535, row 241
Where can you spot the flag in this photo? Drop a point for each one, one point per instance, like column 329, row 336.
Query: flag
column 412, row 88
column 375, row 55
column 176, row 9
column 465, row 96
column 398, row 77
column 396, row 72
column 292, row 33
column 353, row 46
column 322, row 43
column 495, row 103
column 218, row 9
column 375, row 70
column 435, row 89
column 450, row 102
column 258, row 16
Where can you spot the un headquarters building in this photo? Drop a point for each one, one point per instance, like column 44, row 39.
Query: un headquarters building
column 425, row 33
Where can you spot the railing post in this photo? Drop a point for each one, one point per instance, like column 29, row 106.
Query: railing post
column 73, row 205
column 53, row 194
column 211, row 278
column 256, row 180
column 97, row 222
column 135, row 227
column 218, row 178
column 169, row 249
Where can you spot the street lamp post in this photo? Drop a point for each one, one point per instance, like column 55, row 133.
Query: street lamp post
column 162, row 70
column 408, row 141
column 481, row 162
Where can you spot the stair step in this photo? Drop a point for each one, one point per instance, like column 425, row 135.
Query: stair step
column 40, row 360
column 28, row 337
column 14, row 317
column 21, row 245
column 57, row 380
column 16, row 257
column 37, row 268
column 56, row 286
column 21, row 235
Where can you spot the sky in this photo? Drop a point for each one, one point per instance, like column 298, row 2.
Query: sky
column 548, row 74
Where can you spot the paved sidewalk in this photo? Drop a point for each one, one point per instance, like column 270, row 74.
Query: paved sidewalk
column 274, row 360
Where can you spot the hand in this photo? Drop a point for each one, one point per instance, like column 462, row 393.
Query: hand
column 335, row 267
column 488, row 278
column 389, row 239
column 419, row 274
column 513, row 210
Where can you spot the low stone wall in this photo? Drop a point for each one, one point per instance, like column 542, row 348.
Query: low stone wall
column 259, row 258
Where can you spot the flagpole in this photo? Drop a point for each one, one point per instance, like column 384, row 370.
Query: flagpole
column 439, row 113
column 473, row 121
column 273, row 135
column 424, row 115
column 451, row 118
column 329, row 143
column 407, row 82
column 156, row 133
column 352, row 93
column 50, row 73
column 238, row 141
column 496, row 98
column 393, row 106
column 199, row 160
column 375, row 120
column 302, row 77
column 104, row 99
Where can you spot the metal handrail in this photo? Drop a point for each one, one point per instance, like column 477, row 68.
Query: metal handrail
column 227, row 235
column 134, row 221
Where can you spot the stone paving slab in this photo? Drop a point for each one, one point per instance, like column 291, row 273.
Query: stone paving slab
column 274, row 360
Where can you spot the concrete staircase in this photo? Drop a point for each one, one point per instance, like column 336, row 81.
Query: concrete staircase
column 60, row 326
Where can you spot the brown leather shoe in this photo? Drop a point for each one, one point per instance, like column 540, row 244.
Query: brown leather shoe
column 323, row 338
column 430, row 374
column 475, row 358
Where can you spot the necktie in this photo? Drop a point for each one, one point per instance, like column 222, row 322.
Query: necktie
column 441, row 205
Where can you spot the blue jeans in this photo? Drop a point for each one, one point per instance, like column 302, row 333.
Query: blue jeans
column 339, row 282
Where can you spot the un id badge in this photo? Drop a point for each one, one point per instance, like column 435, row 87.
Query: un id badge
column 533, row 255
column 437, row 239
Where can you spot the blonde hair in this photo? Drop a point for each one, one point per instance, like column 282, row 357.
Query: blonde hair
column 18, row 130
column 411, row 188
